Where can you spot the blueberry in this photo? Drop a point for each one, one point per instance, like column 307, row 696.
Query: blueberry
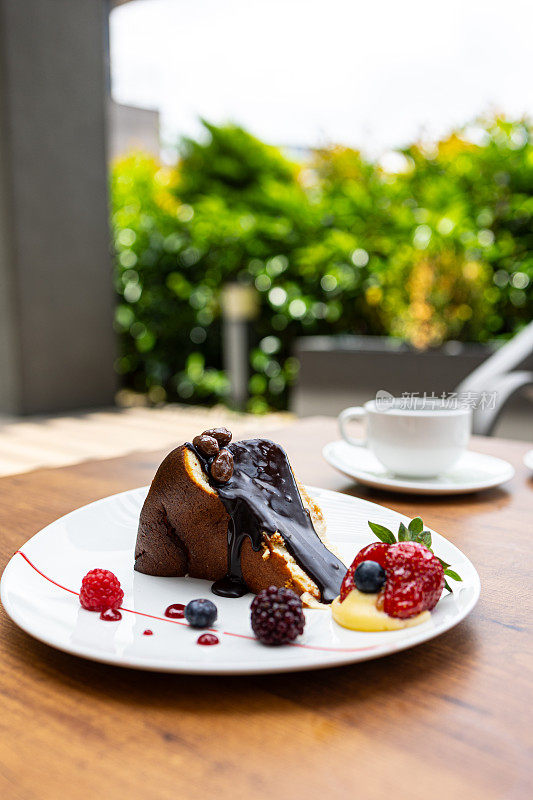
column 200, row 613
column 369, row 577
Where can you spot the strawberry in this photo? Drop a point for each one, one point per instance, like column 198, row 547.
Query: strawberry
column 415, row 579
column 415, row 576
column 376, row 551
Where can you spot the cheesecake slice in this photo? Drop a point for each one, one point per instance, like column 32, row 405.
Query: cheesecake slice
column 233, row 513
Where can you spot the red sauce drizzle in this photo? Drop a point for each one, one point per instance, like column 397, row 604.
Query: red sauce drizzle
column 175, row 611
column 207, row 638
column 111, row 615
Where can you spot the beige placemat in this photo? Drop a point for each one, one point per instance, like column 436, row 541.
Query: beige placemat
column 50, row 441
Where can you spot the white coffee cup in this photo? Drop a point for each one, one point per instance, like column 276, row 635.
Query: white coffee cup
column 418, row 439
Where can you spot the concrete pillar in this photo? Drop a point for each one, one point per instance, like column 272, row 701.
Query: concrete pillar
column 56, row 296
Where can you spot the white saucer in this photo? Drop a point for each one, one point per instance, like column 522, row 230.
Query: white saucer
column 39, row 591
column 473, row 472
column 528, row 459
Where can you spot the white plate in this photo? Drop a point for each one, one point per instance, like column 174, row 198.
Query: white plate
column 473, row 472
column 39, row 592
column 528, row 459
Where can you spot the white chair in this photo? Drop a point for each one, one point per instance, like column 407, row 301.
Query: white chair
column 495, row 378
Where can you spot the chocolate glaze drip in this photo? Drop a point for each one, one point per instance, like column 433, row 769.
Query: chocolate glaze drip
column 262, row 495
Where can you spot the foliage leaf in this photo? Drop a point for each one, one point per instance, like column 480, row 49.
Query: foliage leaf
column 416, row 525
column 425, row 538
column 450, row 573
column 236, row 209
column 404, row 534
column 383, row 534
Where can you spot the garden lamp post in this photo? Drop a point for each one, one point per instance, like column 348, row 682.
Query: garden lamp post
column 240, row 308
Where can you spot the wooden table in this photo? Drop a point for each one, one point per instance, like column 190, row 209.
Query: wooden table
column 450, row 718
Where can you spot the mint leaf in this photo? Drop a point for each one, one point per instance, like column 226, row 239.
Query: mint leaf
column 451, row 574
column 404, row 535
column 416, row 525
column 421, row 537
column 425, row 538
column 383, row 534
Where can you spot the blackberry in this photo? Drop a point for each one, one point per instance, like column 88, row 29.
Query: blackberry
column 277, row 615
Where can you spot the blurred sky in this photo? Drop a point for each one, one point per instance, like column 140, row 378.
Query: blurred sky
column 374, row 74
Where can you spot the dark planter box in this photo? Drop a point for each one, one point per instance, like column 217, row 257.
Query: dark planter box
column 336, row 372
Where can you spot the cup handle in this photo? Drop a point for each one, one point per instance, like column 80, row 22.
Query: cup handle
column 356, row 412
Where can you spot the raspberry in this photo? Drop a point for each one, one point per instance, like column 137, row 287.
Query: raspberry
column 377, row 551
column 277, row 615
column 415, row 580
column 100, row 590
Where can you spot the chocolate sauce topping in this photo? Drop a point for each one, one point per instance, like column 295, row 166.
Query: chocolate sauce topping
column 262, row 495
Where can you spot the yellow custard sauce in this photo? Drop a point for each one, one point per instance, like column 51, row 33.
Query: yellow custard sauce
column 359, row 613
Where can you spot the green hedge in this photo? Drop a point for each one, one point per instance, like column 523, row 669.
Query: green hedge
column 438, row 250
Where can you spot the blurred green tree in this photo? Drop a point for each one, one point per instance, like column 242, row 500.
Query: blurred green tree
column 439, row 249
